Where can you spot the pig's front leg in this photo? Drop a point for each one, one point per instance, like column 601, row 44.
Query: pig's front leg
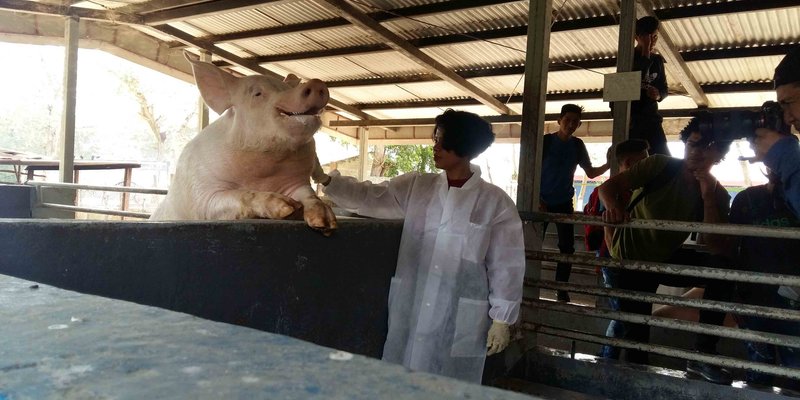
column 316, row 213
column 245, row 204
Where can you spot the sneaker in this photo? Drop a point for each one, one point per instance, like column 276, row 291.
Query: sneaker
column 710, row 373
column 562, row 296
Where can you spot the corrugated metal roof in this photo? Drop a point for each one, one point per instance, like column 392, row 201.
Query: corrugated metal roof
column 735, row 30
column 751, row 69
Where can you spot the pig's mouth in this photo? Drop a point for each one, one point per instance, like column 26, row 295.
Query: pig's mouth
column 309, row 112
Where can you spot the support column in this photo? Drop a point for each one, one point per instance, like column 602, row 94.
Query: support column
column 622, row 109
column 202, row 111
column 67, row 138
column 364, row 166
column 530, row 155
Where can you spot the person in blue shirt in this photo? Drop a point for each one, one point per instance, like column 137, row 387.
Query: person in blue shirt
column 780, row 152
column 561, row 155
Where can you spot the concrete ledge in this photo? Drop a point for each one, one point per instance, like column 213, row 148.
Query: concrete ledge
column 276, row 276
column 56, row 344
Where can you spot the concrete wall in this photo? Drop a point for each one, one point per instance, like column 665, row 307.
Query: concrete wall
column 15, row 201
column 277, row 276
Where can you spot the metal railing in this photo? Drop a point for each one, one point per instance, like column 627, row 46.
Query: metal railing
column 92, row 210
column 725, row 274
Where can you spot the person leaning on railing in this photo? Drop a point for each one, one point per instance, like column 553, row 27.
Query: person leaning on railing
column 686, row 191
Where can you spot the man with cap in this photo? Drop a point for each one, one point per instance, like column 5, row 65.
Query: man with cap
column 780, row 152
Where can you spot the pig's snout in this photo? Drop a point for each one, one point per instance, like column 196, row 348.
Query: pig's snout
column 314, row 95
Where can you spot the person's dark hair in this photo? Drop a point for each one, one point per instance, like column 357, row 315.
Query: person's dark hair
column 646, row 26
column 788, row 70
column 465, row 133
column 707, row 135
column 571, row 108
column 630, row 148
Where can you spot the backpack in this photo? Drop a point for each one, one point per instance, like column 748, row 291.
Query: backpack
column 593, row 234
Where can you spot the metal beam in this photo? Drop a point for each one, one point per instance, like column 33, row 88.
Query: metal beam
column 516, row 119
column 380, row 16
column 244, row 63
column 34, row 7
column 155, row 5
column 565, row 96
column 401, row 45
column 202, row 10
column 675, row 62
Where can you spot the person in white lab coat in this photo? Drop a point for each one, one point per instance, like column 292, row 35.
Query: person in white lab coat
column 460, row 267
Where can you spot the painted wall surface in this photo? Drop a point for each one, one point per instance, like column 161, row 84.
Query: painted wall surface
column 276, row 276
column 15, row 201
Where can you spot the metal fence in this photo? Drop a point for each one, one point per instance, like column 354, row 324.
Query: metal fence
column 93, row 210
column 536, row 303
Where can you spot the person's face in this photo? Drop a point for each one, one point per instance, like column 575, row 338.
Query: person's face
column 700, row 156
column 569, row 123
column 444, row 159
column 631, row 160
column 789, row 99
column 647, row 40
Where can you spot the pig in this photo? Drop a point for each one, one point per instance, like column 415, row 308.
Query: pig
column 256, row 159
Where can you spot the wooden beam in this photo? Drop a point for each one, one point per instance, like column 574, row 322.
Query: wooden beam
column 202, row 10
column 401, row 45
column 625, row 49
column 66, row 172
column 674, row 61
column 533, row 115
column 244, row 63
column 34, row 7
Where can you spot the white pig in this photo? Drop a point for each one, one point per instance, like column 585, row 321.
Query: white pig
column 256, row 159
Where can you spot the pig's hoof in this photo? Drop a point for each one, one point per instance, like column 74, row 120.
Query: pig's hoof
column 274, row 205
column 320, row 217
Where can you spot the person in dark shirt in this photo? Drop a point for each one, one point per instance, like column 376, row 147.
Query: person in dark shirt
column 561, row 155
column 645, row 119
column 765, row 205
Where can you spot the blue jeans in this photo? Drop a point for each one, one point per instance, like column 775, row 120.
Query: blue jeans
column 766, row 353
column 616, row 329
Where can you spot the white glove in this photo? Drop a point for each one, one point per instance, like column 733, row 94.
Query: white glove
column 498, row 338
column 318, row 175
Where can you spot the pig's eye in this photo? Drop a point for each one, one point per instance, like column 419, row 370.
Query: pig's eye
column 257, row 94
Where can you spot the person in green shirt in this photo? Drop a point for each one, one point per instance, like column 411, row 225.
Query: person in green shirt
column 678, row 190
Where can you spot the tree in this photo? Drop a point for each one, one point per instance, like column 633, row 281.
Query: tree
column 400, row 159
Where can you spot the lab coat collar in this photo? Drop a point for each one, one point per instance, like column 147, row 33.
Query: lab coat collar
column 472, row 183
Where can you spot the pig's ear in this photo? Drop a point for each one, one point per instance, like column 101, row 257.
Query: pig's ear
column 215, row 85
column 292, row 80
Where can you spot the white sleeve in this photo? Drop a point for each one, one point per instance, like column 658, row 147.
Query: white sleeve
column 386, row 200
column 505, row 264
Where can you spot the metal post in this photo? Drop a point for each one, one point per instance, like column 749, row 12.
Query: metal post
column 622, row 109
column 530, row 157
column 363, row 153
column 202, row 110
column 67, row 139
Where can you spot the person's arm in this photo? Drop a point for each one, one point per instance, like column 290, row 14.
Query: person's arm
column 781, row 154
column 385, row 200
column 586, row 163
column 715, row 209
column 611, row 194
column 505, row 265
column 660, row 83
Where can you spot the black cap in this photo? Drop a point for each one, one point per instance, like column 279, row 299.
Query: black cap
column 788, row 70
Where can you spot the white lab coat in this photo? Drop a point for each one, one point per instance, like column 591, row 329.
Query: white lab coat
column 460, row 265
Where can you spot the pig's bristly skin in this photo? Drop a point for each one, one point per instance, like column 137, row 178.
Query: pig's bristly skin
column 256, row 159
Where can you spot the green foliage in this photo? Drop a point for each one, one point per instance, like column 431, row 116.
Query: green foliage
column 401, row 159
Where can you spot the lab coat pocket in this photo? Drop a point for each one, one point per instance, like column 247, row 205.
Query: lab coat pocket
column 472, row 324
column 476, row 242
